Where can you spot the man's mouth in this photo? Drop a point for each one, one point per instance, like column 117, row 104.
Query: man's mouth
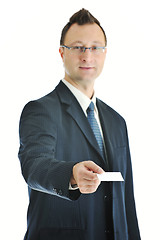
column 86, row 68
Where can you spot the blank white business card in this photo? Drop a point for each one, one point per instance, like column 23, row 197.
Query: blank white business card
column 111, row 177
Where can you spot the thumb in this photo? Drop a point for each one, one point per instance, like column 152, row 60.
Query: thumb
column 93, row 167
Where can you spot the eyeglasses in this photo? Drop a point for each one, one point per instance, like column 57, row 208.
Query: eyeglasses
column 79, row 50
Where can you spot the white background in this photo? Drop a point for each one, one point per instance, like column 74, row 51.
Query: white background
column 30, row 67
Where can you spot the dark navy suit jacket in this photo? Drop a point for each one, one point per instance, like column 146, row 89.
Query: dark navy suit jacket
column 54, row 135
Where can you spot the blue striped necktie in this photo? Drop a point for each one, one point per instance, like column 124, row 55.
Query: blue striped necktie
column 94, row 125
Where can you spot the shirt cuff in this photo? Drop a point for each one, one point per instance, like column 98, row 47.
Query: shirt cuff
column 73, row 187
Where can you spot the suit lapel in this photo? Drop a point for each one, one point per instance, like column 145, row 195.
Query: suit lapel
column 106, row 124
column 74, row 109
column 105, row 120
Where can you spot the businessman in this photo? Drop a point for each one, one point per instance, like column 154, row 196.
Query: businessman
column 68, row 137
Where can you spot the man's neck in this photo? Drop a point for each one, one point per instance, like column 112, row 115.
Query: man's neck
column 87, row 89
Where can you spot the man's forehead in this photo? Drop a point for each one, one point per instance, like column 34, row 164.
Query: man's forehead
column 81, row 34
column 78, row 42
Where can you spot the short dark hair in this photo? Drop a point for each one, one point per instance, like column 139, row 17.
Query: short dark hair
column 81, row 17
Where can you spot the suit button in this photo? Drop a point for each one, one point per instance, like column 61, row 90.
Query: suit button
column 55, row 190
column 105, row 198
column 60, row 192
column 109, row 234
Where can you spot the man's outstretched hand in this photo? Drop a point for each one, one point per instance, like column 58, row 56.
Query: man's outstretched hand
column 85, row 176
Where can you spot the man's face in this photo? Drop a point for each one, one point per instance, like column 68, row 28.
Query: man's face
column 86, row 66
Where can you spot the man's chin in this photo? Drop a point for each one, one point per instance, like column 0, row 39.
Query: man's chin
column 86, row 80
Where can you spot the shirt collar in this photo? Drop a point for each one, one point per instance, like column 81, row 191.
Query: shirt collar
column 83, row 100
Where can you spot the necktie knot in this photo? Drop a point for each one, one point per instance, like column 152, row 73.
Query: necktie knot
column 91, row 107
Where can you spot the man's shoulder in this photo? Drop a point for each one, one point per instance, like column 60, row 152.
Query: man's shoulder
column 44, row 103
column 50, row 102
column 47, row 99
column 59, row 92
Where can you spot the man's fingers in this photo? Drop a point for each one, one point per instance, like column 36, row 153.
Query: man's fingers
column 91, row 182
column 93, row 167
column 86, row 186
column 89, row 175
column 88, row 189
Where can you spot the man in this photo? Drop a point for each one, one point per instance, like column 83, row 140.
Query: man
column 61, row 154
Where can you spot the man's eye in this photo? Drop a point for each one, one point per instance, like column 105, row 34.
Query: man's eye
column 77, row 48
column 94, row 48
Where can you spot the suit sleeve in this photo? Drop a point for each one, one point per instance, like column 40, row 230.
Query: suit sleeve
column 38, row 139
column 132, row 221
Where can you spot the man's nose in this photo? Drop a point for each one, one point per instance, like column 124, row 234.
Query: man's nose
column 86, row 55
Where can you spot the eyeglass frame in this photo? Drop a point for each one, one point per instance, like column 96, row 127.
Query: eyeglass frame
column 83, row 49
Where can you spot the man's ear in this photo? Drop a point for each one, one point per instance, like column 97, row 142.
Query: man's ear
column 61, row 51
